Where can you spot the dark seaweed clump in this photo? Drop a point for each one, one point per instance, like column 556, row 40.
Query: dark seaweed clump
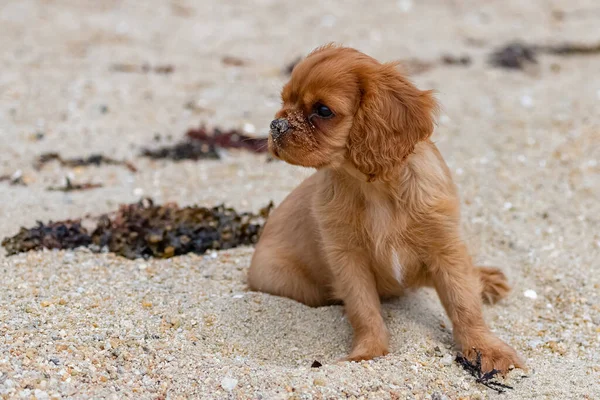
column 487, row 378
column 517, row 55
column 93, row 159
column 72, row 187
column 54, row 235
column 202, row 143
column 514, row 56
column 147, row 230
column 143, row 69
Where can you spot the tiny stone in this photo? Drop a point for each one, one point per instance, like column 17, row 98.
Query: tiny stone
column 447, row 359
column 319, row 382
column 40, row 394
column 530, row 294
column 229, row 384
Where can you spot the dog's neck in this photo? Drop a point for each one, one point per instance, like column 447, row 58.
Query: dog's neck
column 352, row 171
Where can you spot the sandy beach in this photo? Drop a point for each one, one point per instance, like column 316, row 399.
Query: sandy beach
column 523, row 146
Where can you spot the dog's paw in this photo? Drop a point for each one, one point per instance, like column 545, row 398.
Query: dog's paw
column 494, row 354
column 367, row 350
column 494, row 285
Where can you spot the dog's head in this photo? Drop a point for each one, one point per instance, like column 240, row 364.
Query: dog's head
column 341, row 105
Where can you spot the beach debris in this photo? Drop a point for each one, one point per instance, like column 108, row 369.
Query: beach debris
column 202, row 143
column 93, row 159
column 16, row 179
column 486, row 379
column 184, row 150
column 514, row 55
column 415, row 66
column 71, row 187
column 60, row 235
column 143, row 69
column 517, row 55
column 229, row 383
column 143, row 230
column 233, row 61
column 448, row 59
column 530, row 294
column 573, row 49
column 316, row 364
column 447, row 359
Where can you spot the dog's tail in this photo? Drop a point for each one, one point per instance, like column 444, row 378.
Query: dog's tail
column 494, row 285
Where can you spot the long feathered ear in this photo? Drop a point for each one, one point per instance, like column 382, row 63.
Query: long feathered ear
column 393, row 116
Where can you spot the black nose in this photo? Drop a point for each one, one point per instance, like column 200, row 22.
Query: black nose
column 279, row 127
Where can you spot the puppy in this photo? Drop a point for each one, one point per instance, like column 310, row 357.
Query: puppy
column 381, row 213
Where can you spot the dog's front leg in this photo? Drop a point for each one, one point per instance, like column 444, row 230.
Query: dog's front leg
column 354, row 284
column 458, row 284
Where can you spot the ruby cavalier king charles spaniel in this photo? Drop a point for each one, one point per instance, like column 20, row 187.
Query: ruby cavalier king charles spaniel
column 379, row 216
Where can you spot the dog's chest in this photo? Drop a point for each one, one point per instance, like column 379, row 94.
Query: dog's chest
column 383, row 229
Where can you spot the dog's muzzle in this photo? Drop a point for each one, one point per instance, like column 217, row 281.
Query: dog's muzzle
column 279, row 127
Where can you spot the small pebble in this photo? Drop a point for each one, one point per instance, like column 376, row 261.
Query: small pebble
column 229, row 384
column 40, row 394
column 530, row 294
column 447, row 359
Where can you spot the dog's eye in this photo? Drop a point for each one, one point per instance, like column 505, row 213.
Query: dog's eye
column 323, row 111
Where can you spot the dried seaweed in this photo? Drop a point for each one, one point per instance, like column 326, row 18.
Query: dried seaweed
column 232, row 139
column 517, row 55
column 448, row 59
column 94, row 159
column 572, row 49
column 143, row 69
column 54, row 235
column 514, row 56
column 147, row 230
column 486, row 378
column 203, row 144
column 15, row 179
column 185, row 150
column 233, row 61
column 71, row 187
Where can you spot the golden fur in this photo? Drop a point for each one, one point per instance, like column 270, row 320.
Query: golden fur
column 381, row 213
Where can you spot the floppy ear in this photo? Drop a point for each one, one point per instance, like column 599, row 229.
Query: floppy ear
column 393, row 116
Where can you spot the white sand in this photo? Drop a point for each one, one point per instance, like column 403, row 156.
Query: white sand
column 83, row 325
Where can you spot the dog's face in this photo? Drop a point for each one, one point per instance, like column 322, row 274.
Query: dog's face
column 342, row 105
